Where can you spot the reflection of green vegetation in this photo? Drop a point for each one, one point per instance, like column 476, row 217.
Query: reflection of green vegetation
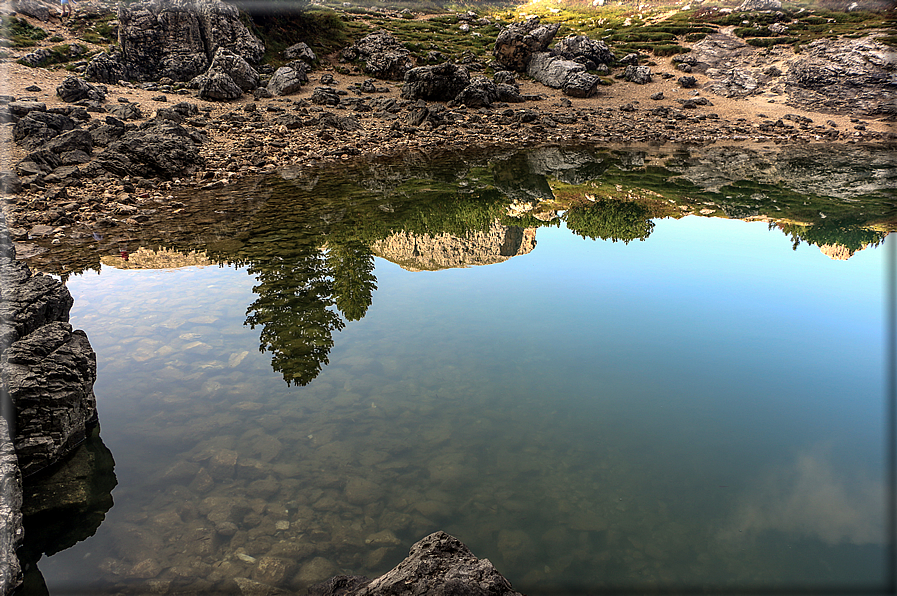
column 352, row 265
column 610, row 220
column 846, row 234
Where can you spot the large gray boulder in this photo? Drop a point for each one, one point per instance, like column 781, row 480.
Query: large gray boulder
column 640, row 75
column 442, row 82
column 517, row 42
column 383, row 55
column 217, row 86
column 107, row 68
column 179, row 38
column 287, row 80
column 300, row 51
column 439, row 564
column 233, row 65
column 583, row 47
column 481, row 92
column 552, row 70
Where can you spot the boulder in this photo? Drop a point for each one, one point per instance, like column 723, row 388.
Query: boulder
column 517, row 42
column 106, row 68
column 156, row 148
column 439, row 83
column 552, row 70
column 756, row 5
column 639, row 75
column 581, row 84
column 241, row 73
column 505, row 77
column 481, row 92
column 687, row 82
column 286, row 81
column 300, row 51
column 573, row 47
column 508, row 93
column 36, row 58
column 218, row 86
column 35, row 9
column 179, row 38
column 383, row 55
column 439, row 564
column 74, row 89
column 73, row 140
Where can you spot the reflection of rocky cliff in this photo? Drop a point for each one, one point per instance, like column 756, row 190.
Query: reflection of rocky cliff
column 443, row 251
column 163, row 258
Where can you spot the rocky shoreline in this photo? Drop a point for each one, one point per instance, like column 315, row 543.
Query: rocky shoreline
column 85, row 157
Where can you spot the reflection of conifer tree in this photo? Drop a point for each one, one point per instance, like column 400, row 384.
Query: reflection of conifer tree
column 352, row 265
column 610, row 220
column 294, row 295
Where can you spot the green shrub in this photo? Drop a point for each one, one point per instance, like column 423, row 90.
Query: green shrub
column 19, row 33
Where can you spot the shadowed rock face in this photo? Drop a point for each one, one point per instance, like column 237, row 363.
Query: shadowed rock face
column 178, row 38
column 432, row 253
column 10, row 513
column 437, row 564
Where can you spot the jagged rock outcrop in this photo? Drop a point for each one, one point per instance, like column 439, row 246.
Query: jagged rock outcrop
column 430, row 253
column 581, row 84
column 11, row 532
column 106, row 68
column 480, row 92
column 179, row 38
column 439, row 564
column 383, row 55
column 859, row 75
column 74, row 89
column 442, row 82
column 517, row 42
column 300, row 51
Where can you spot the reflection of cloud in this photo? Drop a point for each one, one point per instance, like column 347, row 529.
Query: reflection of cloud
column 809, row 498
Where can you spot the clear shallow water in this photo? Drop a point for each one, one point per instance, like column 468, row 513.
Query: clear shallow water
column 702, row 409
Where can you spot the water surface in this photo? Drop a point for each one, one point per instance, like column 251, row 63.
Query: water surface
column 606, row 396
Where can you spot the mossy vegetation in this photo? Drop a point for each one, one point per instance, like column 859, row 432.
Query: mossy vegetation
column 18, row 33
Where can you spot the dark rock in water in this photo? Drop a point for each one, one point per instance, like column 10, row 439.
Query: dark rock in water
column 156, row 148
column 384, row 56
column 49, row 375
column 66, row 504
column 178, row 38
column 517, row 42
column 218, row 87
column 287, row 80
column 640, row 75
column 581, row 46
column 439, row 564
column 74, row 89
column 47, row 369
column 38, row 127
column 11, row 529
column 481, row 92
column 439, row 83
column 552, row 70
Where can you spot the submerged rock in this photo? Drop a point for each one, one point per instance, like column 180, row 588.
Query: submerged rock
column 437, row 564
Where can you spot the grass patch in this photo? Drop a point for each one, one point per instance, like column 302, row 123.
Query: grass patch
column 19, row 33
column 325, row 31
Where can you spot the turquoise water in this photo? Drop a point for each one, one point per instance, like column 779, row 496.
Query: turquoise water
column 704, row 409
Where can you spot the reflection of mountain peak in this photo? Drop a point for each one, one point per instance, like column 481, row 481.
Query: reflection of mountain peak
column 444, row 251
column 163, row 258
column 837, row 252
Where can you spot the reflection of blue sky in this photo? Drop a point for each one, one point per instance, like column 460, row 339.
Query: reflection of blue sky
column 807, row 497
